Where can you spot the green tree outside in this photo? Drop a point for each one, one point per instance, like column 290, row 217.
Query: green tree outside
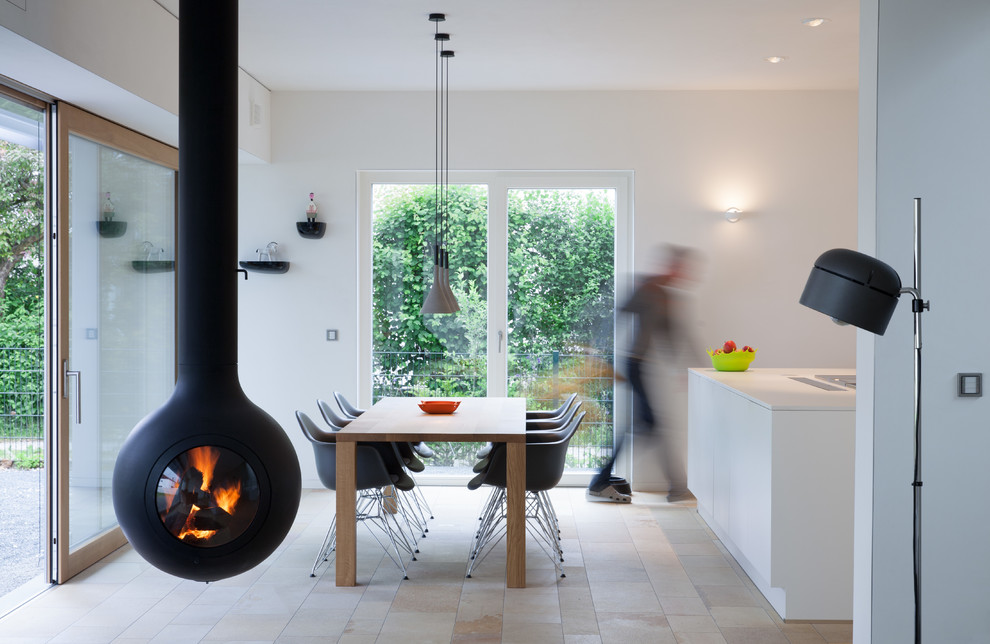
column 22, row 208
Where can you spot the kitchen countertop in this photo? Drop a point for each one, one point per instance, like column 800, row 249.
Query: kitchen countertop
column 776, row 389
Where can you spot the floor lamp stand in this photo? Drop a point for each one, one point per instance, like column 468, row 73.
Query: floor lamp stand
column 918, row 306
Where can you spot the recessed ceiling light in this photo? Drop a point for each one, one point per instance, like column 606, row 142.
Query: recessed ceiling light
column 814, row 22
column 775, row 59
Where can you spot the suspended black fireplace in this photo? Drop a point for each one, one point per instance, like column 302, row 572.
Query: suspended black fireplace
column 207, row 486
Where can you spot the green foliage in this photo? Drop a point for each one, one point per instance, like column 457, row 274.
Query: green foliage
column 21, row 392
column 404, row 225
column 22, row 327
column 30, row 458
column 561, row 270
column 22, row 211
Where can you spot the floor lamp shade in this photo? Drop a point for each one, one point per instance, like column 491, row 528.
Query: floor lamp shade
column 853, row 288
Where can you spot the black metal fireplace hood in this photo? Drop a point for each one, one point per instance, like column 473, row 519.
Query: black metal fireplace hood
column 208, row 485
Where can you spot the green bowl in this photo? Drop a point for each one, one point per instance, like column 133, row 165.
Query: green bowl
column 735, row 361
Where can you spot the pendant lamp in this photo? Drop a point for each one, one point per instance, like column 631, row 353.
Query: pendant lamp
column 440, row 299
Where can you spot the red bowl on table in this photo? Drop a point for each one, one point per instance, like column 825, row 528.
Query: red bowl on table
column 439, row 406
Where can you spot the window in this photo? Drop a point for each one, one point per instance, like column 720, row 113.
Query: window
column 533, row 265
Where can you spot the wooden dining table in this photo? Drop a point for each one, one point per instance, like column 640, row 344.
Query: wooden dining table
column 497, row 420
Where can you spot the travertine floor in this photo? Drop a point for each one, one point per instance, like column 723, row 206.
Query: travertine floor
column 645, row 572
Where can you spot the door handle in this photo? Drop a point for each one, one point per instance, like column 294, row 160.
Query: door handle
column 500, row 335
column 66, row 374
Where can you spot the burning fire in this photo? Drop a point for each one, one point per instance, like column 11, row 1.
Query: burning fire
column 193, row 510
column 205, row 460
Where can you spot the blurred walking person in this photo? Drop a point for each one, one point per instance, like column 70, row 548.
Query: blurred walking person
column 656, row 322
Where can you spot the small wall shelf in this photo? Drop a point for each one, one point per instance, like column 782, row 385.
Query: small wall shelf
column 266, row 267
column 153, row 265
column 109, row 228
column 311, row 229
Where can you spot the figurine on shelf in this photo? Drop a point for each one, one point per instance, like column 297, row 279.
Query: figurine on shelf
column 108, row 209
column 267, row 254
column 152, row 253
column 311, row 229
column 311, row 209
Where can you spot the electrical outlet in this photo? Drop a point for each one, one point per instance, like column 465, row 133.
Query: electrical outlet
column 331, row 335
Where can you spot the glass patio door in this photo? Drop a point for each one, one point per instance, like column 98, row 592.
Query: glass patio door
column 533, row 265
column 24, row 510
column 560, row 308
column 115, row 288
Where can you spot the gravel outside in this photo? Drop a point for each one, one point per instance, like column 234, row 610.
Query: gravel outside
column 22, row 505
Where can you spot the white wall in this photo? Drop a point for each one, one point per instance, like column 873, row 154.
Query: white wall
column 788, row 159
column 932, row 98
column 118, row 59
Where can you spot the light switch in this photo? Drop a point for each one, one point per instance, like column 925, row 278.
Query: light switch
column 970, row 385
column 331, row 335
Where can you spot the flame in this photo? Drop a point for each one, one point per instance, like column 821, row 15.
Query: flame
column 227, row 497
column 189, row 531
column 205, row 460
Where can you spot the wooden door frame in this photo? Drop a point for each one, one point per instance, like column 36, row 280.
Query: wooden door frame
column 71, row 119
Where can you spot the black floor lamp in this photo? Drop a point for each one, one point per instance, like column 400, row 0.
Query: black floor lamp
column 853, row 288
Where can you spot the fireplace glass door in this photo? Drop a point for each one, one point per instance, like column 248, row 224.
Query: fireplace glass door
column 116, row 322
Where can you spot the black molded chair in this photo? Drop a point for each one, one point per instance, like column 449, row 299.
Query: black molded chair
column 349, row 410
column 331, row 416
column 537, row 419
column 534, row 430
column 551, row 413
column 352, row 412
column 390, row 453
column 420, row 507
column 371, row 510
column 544, row 467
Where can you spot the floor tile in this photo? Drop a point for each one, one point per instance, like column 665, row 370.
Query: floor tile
column 632, row 597
column 743, row 635
column 692, row 624
column 802, row 634
column 699, row 638
column 622, row 628
column 835, row 633
column 740, row 617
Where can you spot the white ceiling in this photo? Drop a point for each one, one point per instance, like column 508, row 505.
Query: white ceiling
column 306, row 45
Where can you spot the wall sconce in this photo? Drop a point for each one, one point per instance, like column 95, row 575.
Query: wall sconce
column 732, row 215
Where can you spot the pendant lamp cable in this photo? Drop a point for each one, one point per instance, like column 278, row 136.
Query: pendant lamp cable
column 437, row 138
column 445, row 56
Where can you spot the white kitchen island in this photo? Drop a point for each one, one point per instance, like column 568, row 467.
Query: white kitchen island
column 770, row 460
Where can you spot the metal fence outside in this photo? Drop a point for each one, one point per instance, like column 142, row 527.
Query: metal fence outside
column 545, row 380
column 21, row 403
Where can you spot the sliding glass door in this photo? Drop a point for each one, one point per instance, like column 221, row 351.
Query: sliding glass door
column 115, row 320
column 533, row 266
column 24, row 525
column 561, row 307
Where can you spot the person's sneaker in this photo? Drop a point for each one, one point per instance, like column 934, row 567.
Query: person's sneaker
column 608, row 495
column 675, row 497
column 620, row 484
